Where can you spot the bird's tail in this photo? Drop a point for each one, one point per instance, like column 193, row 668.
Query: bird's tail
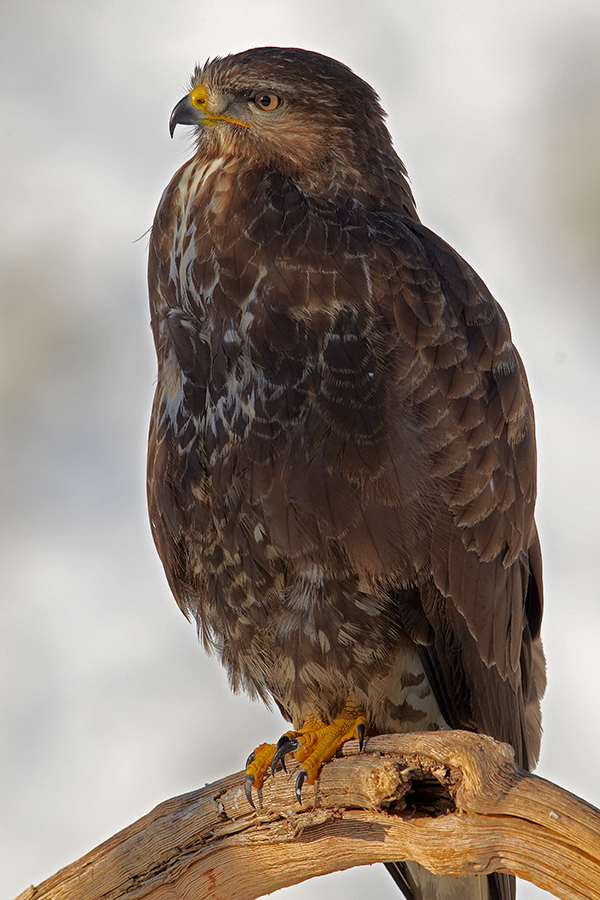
column 416, row 883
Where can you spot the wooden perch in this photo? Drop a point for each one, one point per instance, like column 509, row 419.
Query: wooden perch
column 453, row 801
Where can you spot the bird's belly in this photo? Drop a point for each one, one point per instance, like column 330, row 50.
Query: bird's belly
column 316, row 668
column 313, row 640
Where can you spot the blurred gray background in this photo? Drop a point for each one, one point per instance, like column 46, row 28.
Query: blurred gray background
column 108, row 705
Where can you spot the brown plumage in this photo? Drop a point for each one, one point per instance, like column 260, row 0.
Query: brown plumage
column 341, row 469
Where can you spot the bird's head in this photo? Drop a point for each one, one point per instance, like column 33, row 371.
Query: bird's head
column 299, row 113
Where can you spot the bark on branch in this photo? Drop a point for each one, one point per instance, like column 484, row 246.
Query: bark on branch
column 453, row 801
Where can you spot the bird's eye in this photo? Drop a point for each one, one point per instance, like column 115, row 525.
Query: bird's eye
column 268, row 102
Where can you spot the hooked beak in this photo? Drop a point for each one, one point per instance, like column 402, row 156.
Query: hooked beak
column 185, row 114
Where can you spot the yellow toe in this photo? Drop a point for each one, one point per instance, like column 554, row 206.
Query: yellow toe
column 258, row 763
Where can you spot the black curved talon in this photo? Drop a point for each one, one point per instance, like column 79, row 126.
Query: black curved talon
column 250, row 759
column 300, row 779
column 248, row 782
column 285, row 741
column 362, row 730
column 284, row 746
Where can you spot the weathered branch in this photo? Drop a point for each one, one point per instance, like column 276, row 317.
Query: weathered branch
column 453, row 801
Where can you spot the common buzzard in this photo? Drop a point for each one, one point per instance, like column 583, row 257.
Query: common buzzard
column 342, row 464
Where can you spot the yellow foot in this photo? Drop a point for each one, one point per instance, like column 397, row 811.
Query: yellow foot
column 315, row 744
column 256, row 768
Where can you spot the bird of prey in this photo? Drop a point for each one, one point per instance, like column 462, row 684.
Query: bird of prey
column 342, row 463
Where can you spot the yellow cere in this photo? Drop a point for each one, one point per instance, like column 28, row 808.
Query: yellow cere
column 199, row 96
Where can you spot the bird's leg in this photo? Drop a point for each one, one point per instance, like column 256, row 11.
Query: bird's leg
column 313, row 745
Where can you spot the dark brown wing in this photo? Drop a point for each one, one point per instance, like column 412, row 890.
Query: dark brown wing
column 485, row 598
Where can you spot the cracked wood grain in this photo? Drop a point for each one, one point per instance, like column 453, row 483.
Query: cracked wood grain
column 453, row 801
